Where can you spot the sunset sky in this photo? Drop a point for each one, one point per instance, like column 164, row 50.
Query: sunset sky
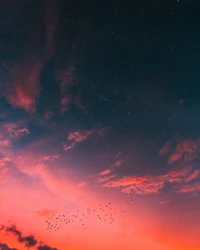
column 99, row 112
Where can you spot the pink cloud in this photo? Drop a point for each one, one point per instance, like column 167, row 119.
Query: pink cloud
column 193, row 176
column 105, row 172
column 82, row 184
column 189, row 188
column 45, row 212
column 118, row 154
column 4, row 169
column 78, row 137
column 148, row 184
column 3, row 161
column 165, row 149
column 20, row 132
column 186, row 150
column 164, row 202
column 177, row 174
column 50, row 157
column 9, row 132
column 118, row 163
column 25, row 87
column 5, row 143
column 106, row 178
column 13, row 130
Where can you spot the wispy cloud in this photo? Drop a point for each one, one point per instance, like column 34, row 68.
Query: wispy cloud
column 13, row 130
column 24, row 88
column 109, row 173
column 50, row 157
column 45, row 212
column 82, row 184
column 4, row 168
column 118, row 154
column 105, row 172
column 77, row 137
column 193, row 176
column 189, row 188
column 105, row 178
column 148, row 184
column 117, row 163
column 186, row 150
column 165, row 148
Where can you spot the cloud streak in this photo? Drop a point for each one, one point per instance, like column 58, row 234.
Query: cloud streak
column 78, row 137
column 148, row 184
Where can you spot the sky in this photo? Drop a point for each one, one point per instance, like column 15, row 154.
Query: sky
column 99, row 125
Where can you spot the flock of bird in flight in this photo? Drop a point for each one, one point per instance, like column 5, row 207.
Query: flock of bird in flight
column 103, row 212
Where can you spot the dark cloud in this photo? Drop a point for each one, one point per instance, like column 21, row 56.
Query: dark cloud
column 45, row 247
column 5, row 247
column 29, row 240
